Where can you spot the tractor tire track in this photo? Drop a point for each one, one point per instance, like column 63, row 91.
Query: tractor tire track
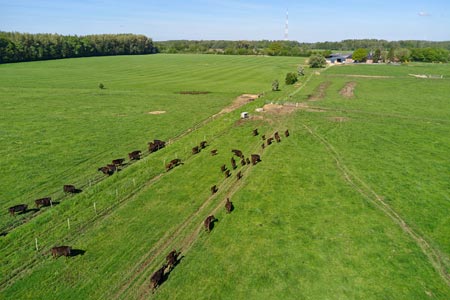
column 436, row 259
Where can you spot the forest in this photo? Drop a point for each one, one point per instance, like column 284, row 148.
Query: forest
column 19, row 47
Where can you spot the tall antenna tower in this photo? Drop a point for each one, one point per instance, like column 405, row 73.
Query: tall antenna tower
column 286, row 29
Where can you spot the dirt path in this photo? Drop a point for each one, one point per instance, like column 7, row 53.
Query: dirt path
column 436, row 259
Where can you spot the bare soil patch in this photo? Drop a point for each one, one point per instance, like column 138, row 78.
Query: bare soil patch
column 348, row 90
column 280, row 109
column 320, row 91
column 156, row 112
column 239, row 101
column 194, row 92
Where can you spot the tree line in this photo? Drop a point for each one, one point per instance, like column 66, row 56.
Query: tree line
column 18, row 47
column 425, row 51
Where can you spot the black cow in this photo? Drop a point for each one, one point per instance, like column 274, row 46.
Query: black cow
column 195, row 150
column 238, row 153
column 286, row 133
column 172, row 259
column 228, row 206
column 61, row 251
column 135, row 155
column 203, row 144
column 214, row 152
column 255, row 132
column 255, row 159
column 43, row 201
column 208, row 223
column 157, row 278
column 22, row 208
column 223, row 168
column 214, row 189
column 233, row 163
column 239, row 175
column 118, row 162
column 243, row 162
column 247, row 160
column 269, row 141
column 156, row 145
column 263, row 137
column 227, row 173
column 263, row 146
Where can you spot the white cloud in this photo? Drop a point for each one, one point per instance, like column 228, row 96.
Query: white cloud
column 424, row 14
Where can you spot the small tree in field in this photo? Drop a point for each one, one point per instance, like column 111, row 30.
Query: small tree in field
column 101, row 86
column 317, row 61
column 275, row 85
column 291, row 78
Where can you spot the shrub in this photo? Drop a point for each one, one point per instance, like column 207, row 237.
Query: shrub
column 291, row 78
column 317, row 61
column 275, row 85
column 101, row 86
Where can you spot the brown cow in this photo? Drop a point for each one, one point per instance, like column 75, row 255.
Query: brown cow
column 157, row 278
column 43, row 201
column 156, row 145
column 286, row 133
column 263, row 146
column 223, row 168
column 203, row 144
column 247, row 160
column 118, row 162
column 208, row 223
column 108, row 170
column 233, row 163
column 61, row 251
column 195, row 150
column 239, row 175
column 214, row 152
column 135, row 155
column 263, row 137
column 22, row 208
column 255, row 132
column 214, row 189
column 70, row 189
column 227, row 173
column 269, row 141
column 277, row 137
column 243, row 162
column 173, row 163
column 255, row 159
column 172, row 259
column 228, row 206
column 238, row 153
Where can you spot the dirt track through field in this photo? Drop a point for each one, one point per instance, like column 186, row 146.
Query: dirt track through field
column 434, row 256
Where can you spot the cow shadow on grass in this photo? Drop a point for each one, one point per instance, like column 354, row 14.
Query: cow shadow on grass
column 211, row 225
column 167, row 273
column 30, row 210
column 77, row 252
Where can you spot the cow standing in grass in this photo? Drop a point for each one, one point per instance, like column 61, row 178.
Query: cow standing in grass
column 43, row 201
column 172, row 259
column 228, row 206
column 157, row 278
column 22, row 208
column 61, row 251
column 208, row 223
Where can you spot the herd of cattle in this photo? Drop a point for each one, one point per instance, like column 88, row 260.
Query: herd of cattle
column 160, row 275
column 172, row 259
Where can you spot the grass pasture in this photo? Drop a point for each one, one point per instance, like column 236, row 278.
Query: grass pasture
column 307, row 223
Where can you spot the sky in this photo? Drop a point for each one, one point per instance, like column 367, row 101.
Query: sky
column 309, row 21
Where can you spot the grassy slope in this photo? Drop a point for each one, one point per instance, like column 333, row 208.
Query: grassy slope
column 58, row 127
column 298, row 231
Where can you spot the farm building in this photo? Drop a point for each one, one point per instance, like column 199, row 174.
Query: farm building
column 338, row 58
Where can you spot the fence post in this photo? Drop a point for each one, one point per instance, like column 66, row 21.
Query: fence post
column 68, row 223
column 36, row 241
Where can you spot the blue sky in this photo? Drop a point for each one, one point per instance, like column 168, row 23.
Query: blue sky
column 309, row 21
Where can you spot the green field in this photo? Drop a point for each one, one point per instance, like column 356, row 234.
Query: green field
column 354, row 204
